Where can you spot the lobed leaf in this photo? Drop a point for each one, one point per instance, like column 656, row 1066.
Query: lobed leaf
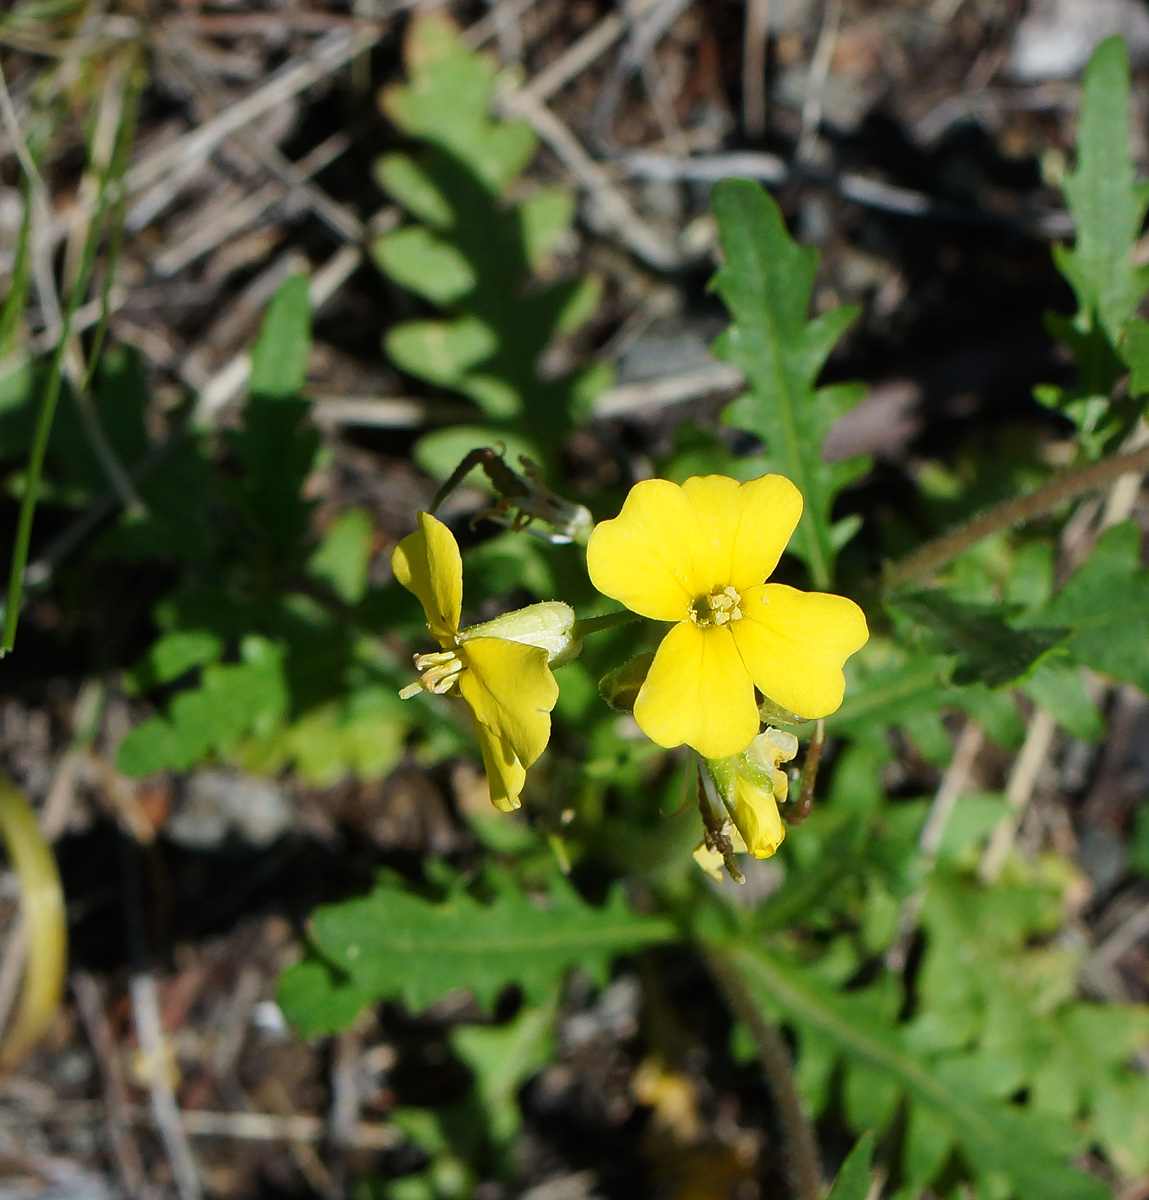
column 395, row 943
column 1000, row 1141
column 1105, row 604
column 1107, row 204
column 765, row 281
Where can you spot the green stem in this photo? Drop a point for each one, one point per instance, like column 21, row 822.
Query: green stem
column 941, row 551
column 774, row 1054
column 585, row 626
column 32, row 492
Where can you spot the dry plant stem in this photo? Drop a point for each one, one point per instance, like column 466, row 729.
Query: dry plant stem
column 610, row 211
column 331, row 53
column 1019, row 789
column 124, row 1152
column 149, row 1032
column 576, row 58
column 816, row 79
column 773, row 1053
column 754, row 67
column 939, row 553
column 204, row 1123
column 954, row 782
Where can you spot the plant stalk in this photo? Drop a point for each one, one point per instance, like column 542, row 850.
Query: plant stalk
column 931, row 557
column 774, row 1055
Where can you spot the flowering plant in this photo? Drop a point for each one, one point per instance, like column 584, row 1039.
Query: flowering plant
column 696, row 555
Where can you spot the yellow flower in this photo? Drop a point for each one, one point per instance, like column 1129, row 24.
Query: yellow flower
column 500, row 669
column 698, row 555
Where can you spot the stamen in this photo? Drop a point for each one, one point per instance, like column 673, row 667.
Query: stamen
column 441, row 671
column 720, row 607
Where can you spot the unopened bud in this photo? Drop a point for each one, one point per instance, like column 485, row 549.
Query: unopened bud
column 620, row 687
column 752, row 784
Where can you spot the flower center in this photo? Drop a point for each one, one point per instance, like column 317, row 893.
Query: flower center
column 720, row 607
column 441, row 672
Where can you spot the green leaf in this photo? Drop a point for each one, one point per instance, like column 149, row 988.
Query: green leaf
column 174, row 655
column 1056, row 686
column 546, row 216
column 395, row 943
column 344, row 555
column 279, row 359
column 443, row 352
column 987, row 649
column 425, row 263
column 1139, row 846
column 1135, row 352
column 1105, row 604
column 316, row 1002
column 999, row 1140
column 448, row 103
column 211, row 719
column 503, row 1058
column 1107, row 204
column 853, row 1182
column 481, row 259
column 765, row 281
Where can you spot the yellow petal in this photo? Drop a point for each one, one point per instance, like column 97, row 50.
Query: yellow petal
column 429, row 564
column 505, row 774
column 653, row 557
column 697, row 692
column 794, row 644
column 748, row 524
column 511, row 691
column 757, row 819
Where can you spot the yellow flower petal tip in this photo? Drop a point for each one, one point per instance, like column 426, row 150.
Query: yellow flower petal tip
column 501, row 669
column 698, row 556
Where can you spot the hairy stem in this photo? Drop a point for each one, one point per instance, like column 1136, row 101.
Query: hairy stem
column 585, row 626
column 943, row 550
column 773, row 1053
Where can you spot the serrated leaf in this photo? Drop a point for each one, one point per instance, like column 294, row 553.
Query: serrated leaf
column 766, row 281
column 1000, row 1141
column 279, row 358
column 1107, row 204
column 395, row 943
column 1105, row 604
column 988, row 650
column 210, row 719
column 853, row 1182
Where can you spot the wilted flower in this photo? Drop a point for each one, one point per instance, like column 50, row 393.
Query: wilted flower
column 500, row 668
